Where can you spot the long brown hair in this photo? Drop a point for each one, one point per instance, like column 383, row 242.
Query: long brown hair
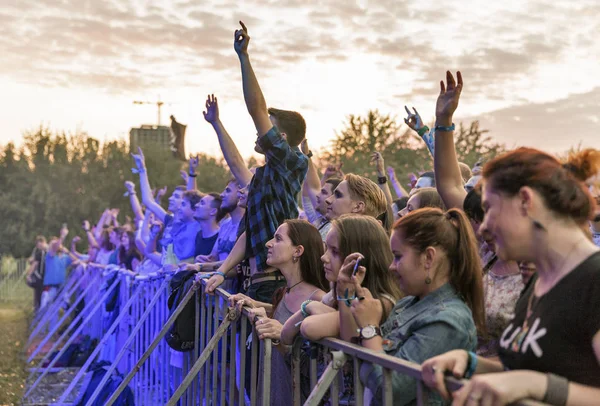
column 364, row 234
column 301, row 232
column 561, row 185
column 452, row 232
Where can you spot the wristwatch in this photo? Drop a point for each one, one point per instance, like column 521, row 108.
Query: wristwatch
column 369, row 332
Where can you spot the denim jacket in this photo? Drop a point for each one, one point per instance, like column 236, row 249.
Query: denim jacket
column 417, row 330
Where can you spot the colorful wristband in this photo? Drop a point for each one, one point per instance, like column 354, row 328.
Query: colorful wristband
column 472, row 364
column 305, row 314
column 192, row 175
column 445, row 128
column 220, row 273
column 422, row 131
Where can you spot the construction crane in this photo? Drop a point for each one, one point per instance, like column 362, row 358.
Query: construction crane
column 158, row 103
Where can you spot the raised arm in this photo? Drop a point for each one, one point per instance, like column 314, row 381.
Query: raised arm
column 232, row 155
column 150, row 251
column 100, row 226
column 312, row 183
column 416, row 124
column 377, row 159
column 237, row 255
column 191, row 180
column 92, row 240
column 448, row 179
column 400, row 191
column 147, row 197
column 133, row 199
column 255, row 101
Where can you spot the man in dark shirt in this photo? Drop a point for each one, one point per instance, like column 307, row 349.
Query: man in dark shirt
column 274, row 188
column 208, row 214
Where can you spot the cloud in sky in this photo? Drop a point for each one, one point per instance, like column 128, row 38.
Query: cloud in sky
column 327, row 59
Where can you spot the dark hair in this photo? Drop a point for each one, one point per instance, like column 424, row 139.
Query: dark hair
column 472, row 204
column 429, row 197
column 193, row 197
column 364, row 234
column 334, row 182
column 180, row 188
column 301, row 232
column 40, row 238
column 216, row 204
column 561, row 186
column 451, row 231
column 106, row 244
column 122, row 254
column 291, row 123
column 401, row 203
column 429, row 174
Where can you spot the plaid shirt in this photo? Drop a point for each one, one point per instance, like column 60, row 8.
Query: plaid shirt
column 272, row 193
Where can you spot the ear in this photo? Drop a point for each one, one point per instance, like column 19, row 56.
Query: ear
column 213, row 212
column 299, row 251
column 428, row 257
column 525, row 199
column 359, row 207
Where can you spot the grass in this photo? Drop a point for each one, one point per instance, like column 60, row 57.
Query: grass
column 14, row 317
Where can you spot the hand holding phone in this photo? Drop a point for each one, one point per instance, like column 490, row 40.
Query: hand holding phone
column 355, row 270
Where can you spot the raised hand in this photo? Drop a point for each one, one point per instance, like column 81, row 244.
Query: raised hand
column 304, row 147
column 241, row 40
column 76, row 239
column 212, row 109
column 391, row 173
column 140, row 161
column 130, row 186
column 413, row 120
column 160, row 193
column 194, row 162
column 184, row 176
column 447, row 101
column 377, row 158
column 86, row 225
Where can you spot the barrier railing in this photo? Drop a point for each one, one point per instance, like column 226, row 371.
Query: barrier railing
column 227, row 364
column 12, row 281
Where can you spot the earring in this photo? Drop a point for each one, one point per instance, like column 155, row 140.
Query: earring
column 294, row 259
column 427, row 279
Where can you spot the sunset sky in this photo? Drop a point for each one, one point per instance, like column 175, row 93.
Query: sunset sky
column 530, row 67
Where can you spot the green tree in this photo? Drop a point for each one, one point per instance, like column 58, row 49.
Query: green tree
column 57, row 178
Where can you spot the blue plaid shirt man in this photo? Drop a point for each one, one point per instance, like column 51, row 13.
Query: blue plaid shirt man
column 272, row 193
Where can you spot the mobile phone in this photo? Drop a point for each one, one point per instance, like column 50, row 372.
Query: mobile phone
column 356, row 266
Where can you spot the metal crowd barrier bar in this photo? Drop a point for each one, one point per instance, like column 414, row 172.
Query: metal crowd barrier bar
column 58, row 325
column 46, row 314
column 10, row 281
column 341, row 352
column 123, row 312
column 156, row 306
column 73, row 336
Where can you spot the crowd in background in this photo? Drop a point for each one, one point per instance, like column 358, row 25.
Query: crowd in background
column 490, row 273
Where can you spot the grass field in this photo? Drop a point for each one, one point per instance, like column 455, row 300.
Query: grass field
column 13, row 336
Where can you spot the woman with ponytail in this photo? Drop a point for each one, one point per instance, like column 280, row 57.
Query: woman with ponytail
column 437, row 266
column 537, row 210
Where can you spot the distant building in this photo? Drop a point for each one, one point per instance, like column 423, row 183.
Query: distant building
column 147, row 135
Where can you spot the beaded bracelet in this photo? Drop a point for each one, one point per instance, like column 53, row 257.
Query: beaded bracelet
column 305, row 314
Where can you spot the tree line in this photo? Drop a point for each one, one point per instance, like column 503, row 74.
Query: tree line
column 55, row 178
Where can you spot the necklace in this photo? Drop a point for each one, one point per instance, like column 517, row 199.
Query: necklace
column 287, row 290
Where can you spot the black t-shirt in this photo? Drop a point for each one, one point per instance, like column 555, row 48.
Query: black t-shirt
column 558, row 335
column 204, row 246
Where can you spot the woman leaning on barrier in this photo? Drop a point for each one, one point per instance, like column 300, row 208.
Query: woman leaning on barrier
column 538, row 210
column 295, row 250
column 348, row 234
column 436, row 264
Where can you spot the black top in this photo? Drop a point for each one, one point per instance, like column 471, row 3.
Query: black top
column 204, row 246
column 557, row 337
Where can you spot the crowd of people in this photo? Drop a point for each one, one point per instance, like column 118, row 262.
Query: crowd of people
column 490, row 273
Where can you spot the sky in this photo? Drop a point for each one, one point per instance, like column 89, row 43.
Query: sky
column 530, row 68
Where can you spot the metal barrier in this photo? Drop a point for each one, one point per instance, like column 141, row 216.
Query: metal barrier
column 12, row 281
column 215, row 371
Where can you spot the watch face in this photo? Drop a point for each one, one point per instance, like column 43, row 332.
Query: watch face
column 368, row 332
